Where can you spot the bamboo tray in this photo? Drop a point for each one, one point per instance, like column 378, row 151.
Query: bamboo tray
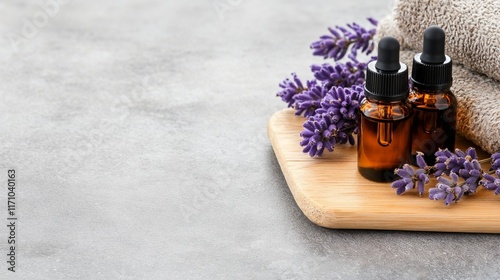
column 332, row 194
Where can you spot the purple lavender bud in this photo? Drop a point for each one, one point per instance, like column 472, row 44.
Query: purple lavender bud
column 341, row 39
column 460, row 153
column 422, row 179
column 441, row 165
column 454, row 178
column 334, row 123
column 440, row 169
column 472, row 173
column 490, row 182
column 420, row 160
column 373, row 21
column 445, row 181
column 441, row 159
column 471, row 152
column 309, row 100
column 403, row 185
column 406, row 172
column 449, row 196
column 290, row 89
column 342, row 74
column 448, row 189
column 446, row 153
column 342, row 103
column 319, row 133
column 437, row 194
column 454, row 164
column 409, row 179
column 459, row 193
column 447, row 162
column 495, row 161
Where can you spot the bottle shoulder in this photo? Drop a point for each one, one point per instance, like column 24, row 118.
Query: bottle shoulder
column 441, row 100
column 386, row 111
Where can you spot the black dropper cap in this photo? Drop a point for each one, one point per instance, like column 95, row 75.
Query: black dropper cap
column 432, row 68
column 387, row 78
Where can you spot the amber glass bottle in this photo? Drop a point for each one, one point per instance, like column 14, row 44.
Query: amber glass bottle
column 433, row 103
column 384, row 138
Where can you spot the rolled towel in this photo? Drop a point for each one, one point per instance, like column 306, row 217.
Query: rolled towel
column 478, row 96
column 472, row 29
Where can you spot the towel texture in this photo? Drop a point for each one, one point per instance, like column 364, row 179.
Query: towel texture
column 472, row 28
column 478, row 95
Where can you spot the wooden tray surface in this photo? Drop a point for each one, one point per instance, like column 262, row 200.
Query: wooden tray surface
column 331, row 193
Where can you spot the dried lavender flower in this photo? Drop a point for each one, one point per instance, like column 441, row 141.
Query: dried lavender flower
column 342, row 103
column 411, row 177
column 319, row 133
column 342, row 74
column 495, row 161
column 331, row 105
column 472, row 174
column 491, row 183
column 290, row 88
column 447, row 162
column 447, row 190
column 442, row 157
column 449, row 169
column 336, row 44
column 309, row 100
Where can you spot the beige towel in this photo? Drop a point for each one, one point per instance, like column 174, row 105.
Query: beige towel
column 472, row 28
column 478, row 96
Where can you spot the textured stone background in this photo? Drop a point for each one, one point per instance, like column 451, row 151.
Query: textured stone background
column 138, row 133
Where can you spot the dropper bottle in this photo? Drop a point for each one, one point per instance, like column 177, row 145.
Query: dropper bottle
column 433, row 103
column 384, row 139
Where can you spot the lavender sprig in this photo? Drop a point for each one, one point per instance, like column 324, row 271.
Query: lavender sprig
column 458, row 174
column 491, row 183
column 411, row 178
column 495, row 161
column 472, row 174
column 319, row 133
column 447, row 162
column 290, row 88
column 336, row 44
column 342, row 74
column 447, row 190
column 342, row 103
column 334, row 123
column 309, row 100
column 469, row 170
column 331, row 102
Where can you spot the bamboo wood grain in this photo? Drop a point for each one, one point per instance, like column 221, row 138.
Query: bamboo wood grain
column 332, row 194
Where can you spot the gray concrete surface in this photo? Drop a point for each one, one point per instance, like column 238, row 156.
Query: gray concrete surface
column 137, row 130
